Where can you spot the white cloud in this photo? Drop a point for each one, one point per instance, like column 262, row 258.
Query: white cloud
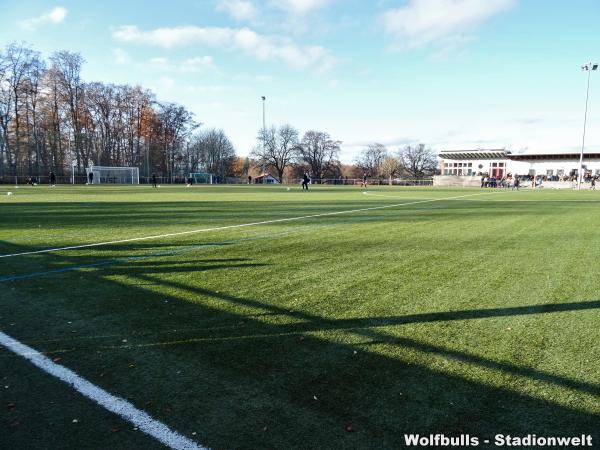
column 300, row 6
column 120, row 55
column 195, row 64
column 421, row 22
column 389, row 141
column 164, row 85
column 246, row 40
column 55, row 15
column 198, row 63
column 159, row 62
column 238, row 9
column 263, row 78
column 204, row 89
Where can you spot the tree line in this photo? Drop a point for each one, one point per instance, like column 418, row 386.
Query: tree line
column 283, row 151
column 53, row 120
column 412, row 161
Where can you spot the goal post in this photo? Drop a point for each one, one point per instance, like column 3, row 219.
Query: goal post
column 112, row 175
column 202, row 177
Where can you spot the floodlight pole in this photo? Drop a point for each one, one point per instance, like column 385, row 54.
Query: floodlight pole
column 589, row 67
column 264, row 120
column 264, row 133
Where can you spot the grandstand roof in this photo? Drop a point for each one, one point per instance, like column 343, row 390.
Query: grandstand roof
column 478, row 153
column 521, row 156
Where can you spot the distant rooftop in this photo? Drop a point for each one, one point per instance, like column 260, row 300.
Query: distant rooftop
column 478, row 153
column 519, row 155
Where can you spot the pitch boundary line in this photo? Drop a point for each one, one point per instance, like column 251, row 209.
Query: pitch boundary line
column 242, row 225
column 142, row 420
column 373, row 194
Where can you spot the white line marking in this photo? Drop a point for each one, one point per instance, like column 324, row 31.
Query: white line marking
column 116, row 405
column 372, row 194
column 243, row 225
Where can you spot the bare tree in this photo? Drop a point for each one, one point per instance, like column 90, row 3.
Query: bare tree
column 50, row 116
column 53, row 120
column 212, row 152
column 5, row 108
column 418, row 160
column 371, row 158
column 68, row 69
column 390, row 167
column 176, row 124
column 32, row 94
column 277, row 147
column 18, row 60
column 319, row 152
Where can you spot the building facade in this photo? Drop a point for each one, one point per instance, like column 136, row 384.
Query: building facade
column 499, row 163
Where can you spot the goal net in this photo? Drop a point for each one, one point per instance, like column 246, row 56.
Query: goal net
column 112, row 175
column 202, row 178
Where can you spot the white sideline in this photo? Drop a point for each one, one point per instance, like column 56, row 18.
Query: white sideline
column 372, row 194
column 242, row 225
column 116, row 405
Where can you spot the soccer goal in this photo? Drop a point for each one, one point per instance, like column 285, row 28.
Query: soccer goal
column 112, row 175
column 202, row 178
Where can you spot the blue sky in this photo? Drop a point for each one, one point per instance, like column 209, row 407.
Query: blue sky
column 449, row 73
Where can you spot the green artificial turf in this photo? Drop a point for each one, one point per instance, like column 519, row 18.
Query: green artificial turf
column 461, row 311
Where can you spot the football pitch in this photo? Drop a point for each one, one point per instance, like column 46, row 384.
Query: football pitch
column 256, row 317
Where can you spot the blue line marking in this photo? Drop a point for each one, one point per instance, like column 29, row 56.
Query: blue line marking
column 25, row 276
column 135, row 258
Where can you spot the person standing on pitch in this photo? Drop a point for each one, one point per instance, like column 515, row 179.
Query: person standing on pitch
column 593, row 187
column 52, row 179
column 154, row 180
column 305, row 181
column 364, row 181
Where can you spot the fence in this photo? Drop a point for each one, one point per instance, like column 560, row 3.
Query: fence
column 43, row 179
column 82, row 179
column 370, row 181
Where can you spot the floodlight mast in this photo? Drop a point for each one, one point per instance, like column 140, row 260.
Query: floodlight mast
column 589, row 67
column 264, row 133
column 263, row 105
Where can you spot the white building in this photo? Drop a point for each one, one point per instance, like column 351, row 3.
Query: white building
column 265, row 178
column 498, row 163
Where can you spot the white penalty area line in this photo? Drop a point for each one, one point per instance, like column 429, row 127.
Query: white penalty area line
column 116, row 405
column 242, row 225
